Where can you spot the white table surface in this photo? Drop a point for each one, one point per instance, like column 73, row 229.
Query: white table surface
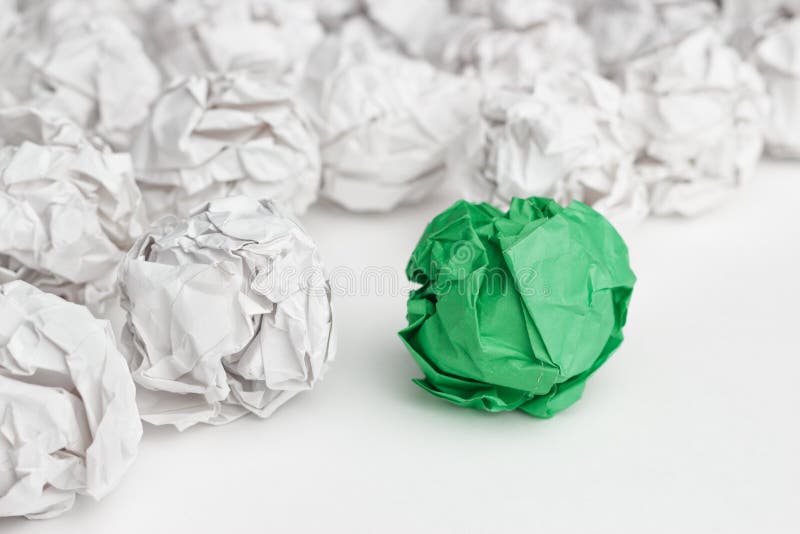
column 693, row 425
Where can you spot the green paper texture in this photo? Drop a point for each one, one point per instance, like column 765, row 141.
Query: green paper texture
column 516, row 310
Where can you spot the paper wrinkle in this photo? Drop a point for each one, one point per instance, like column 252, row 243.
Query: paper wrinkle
column 565, row 139
column 511, row 44
column 68, row 209
column 384, row 121
column 228, row 313
column 68, row 418
column 623, row 30
column 411, row 22
column 269, row 37
column 220, row 135
column 768, row 35
column 85, row 64
column 696, row 112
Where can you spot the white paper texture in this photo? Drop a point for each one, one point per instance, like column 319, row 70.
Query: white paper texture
column 564, row 139
column 68, row 418
column 84, row 64
column 384, row 121
column 69, row 210
column 219, row 135
column 228, row 313
column 511, row 44
column 698, row 111
column 623, row 30
column 268, row 37
column 768, row 34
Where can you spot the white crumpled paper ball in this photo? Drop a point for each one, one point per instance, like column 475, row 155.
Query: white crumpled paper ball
column 268, row 37
column 384, row 122
column 229, row 313
column 219, row 135
column 768, row 34
column 69, row 210
column 697, row 111
column 511, row 44
column 623, row 30
column 68, row 418
column 565, row 140
column 777, row 57
column 82, row 63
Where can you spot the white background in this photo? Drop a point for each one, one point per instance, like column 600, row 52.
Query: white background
column 693, row 425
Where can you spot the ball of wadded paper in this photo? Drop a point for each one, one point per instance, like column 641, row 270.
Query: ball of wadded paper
column 515, row 310
column 384, row 122
column 229, row 313
column 268, row 37
column 564, row 139
column 511, row 44
column 697, row 111
column 85, row 64
column 623, row 30
column 768, row 34
column 69, row 209
column 219, row 135
column 68, row 418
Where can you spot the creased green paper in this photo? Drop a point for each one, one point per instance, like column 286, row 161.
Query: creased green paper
column 516, row 310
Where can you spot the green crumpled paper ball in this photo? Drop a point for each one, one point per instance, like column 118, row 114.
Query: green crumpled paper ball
column 516, row 310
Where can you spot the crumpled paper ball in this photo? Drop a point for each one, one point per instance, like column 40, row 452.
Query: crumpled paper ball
column 623, row 30
column 219, row 135
column 68, row 418
column 697, row 113
column 82, row 63
column 511, row 44
column 516, row 310
column 228, row 313
column 768, row 34
column 384, row 122
column 564, row 139
column 271, row 38
column 69, row 210
column 777, row 57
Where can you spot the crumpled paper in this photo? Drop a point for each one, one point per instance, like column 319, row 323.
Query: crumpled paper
column 229, row 313
column 402, row 25
column 384, row 121
column 219, row 135
column 511, row 44
column 411, row 22
column 19, row 124
column 564, row 139
column 68, row 209
column 68, row 418
column 623, row 30
column 133, row 13
column 85, row 64
column 332, row 13
column 270, row 38
column 516, row 310
column 9, row 17
column 768, row 34
column 697, row 113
